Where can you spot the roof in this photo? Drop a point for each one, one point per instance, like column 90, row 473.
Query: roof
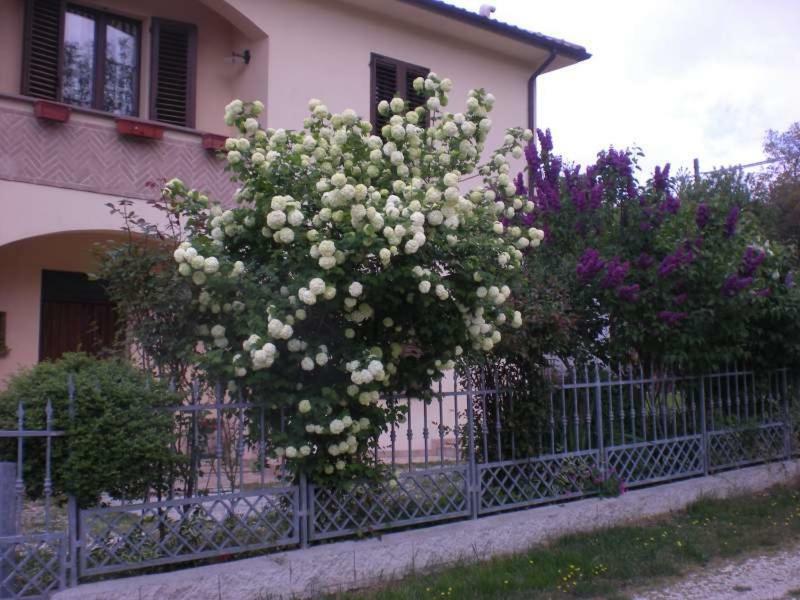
column 539, row 40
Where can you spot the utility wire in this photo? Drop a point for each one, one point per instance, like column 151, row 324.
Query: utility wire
column 747, row 166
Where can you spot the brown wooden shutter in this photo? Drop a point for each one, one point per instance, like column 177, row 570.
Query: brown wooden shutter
column 384, row 87
column 173, row 70
column 41, row 70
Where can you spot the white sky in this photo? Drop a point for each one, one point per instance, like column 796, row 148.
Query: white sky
column 680, row 78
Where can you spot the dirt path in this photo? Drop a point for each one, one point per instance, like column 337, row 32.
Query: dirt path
column 771, row 576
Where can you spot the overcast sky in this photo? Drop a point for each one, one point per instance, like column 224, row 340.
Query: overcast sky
column 680, row 78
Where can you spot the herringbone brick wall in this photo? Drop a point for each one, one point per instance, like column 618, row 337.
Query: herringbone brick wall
column 95, row 158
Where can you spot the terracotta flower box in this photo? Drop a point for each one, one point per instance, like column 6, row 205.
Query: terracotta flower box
column 139, row 129
column 51, row 111
column 213, row 142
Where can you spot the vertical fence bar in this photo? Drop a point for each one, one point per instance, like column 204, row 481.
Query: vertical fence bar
column 473, row 483
column 598, row 407
column 703, row 430
column 303, row 512
column 73, row 511
column 218, row 400
column 786, row 417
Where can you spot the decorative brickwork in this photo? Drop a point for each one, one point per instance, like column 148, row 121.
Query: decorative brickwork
column 96, row 158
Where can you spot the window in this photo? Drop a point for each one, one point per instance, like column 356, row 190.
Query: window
column 100, row 61
column 390, row 78
column 90, row 58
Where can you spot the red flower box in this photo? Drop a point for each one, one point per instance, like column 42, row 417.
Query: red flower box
column 51, row 111
column 140, row 129
column 213, row 142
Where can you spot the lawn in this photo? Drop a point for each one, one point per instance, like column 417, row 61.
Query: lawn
column 601, row 563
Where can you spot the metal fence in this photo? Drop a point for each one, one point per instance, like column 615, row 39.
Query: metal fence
column 474, row 449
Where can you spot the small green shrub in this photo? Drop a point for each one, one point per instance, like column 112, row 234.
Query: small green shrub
column 117, row 441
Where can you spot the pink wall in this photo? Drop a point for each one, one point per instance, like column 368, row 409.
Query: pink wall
column 21, row 265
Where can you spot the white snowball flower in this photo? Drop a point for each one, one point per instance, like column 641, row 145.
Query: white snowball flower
column 355, row 289
column 424, row 286
column 304, row 406
column 317, row 286
column 397, row 105
column 291, row 452
column 307, row 364
column 276, row 219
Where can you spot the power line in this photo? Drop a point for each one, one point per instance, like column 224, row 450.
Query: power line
column 747, row 166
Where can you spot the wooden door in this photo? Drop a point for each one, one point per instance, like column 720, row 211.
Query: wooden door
column 76, row 316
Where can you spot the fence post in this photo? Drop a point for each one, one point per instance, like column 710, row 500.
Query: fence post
column 303, row 512
column 8, row 524
column 473, row 483
column 703, row 430
column 598, row 420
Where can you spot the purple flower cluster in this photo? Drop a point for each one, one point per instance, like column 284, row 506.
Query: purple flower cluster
column 703, row 215
column 661, row 178
column 670, row 205
column 544, row 175
column 589, row 265
column 672, row 262
column 645, row 261
column 671, row 318
column 616, row 271
column 629, row 293
column 519, row 184
column 617, row 164
column 731, row 221
column 752, row 259
column 735, row 284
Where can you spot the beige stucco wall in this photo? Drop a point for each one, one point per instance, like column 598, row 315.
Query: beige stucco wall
column 322, row 49
column 21, row 265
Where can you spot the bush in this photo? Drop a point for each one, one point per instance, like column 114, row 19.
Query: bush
column 353, row 265
column 118, row 440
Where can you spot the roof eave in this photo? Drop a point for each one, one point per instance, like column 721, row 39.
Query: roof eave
column 564, row 49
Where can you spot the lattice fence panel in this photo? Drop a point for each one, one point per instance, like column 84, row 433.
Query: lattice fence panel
column 140, row 535
column 32, row 566
column 745, row 446
column 415, row 497
column 518, row 483
column 656, row 461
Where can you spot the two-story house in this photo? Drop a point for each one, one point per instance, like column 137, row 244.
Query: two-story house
column 104, row 99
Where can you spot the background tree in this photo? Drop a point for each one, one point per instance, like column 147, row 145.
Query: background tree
column 778, row 188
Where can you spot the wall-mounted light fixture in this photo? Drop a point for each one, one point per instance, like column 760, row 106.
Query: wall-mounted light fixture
column 237, row 58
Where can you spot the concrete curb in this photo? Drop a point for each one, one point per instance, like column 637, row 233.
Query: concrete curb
column 352, row 564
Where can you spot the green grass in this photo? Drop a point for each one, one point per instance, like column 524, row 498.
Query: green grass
column 604, row 563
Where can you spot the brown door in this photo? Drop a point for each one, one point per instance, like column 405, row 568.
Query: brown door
column 76, row 316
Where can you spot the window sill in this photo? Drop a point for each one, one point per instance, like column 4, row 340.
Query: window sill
column 51, row 111
column 140, row 129
column 79, row 110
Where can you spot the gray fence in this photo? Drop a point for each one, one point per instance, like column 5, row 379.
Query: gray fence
column 474, row 449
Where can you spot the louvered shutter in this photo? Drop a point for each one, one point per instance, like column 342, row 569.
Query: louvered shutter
column 41, row 73
column 384, row 87
column 172, row 89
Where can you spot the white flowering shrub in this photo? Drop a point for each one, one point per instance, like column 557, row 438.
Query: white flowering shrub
column 354, row 265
